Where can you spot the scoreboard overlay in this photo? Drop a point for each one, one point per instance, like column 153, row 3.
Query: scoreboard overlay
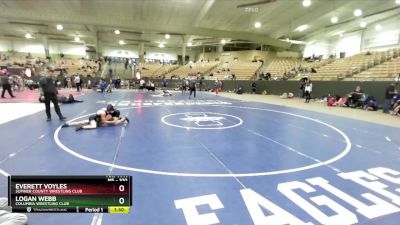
column 77, row 194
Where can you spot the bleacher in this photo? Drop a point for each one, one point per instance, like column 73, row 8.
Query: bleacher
column 279, row 66
column 347, row 67
column 148, row 69
column 192, row 68
column 165, row 69
column 242, row 70
column 16, row 65
column 76, row 66
column 386, row 71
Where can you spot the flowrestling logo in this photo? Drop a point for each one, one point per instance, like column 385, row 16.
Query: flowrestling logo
column 202, row 120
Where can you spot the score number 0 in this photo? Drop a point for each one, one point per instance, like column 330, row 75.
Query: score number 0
column 121, row 200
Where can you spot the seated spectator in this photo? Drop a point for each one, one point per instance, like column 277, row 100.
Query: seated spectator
column 239, row 91
column 390, row 94
column 356, row 98
column 342, row 102
column 396, row 107
column 102, row 86
column 331, row 101
column 150, row 86
column 371, row 104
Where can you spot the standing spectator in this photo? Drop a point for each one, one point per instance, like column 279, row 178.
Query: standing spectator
column 201, row 82
column 184, row 86
column 164, row 82
column 89, row 84
column 126, row 63
column 77, row 81
column 192, row 88
column 5, row 80
column 253, row 87
column 308, row 90
column 49, row 91
column 389, row 94
column 397, row 79
column 217, row 86
column 302, row 85
column 110, row 71
column 69, row 82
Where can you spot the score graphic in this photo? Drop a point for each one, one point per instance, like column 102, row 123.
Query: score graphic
column 78, row 194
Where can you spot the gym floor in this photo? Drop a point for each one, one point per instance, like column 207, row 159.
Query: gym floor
column 213, row 160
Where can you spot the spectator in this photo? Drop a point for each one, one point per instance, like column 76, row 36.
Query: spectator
column 302, row 85
column 356, row 98
column 6, row 83
column 396, row 105
column 308, row 90
column 77, row 81
column 389, row 94
column 164, row 82
column 371, row 104
column 62, row 99
column 253, row 87
column 217, row 86
column 192, row 88
column 110, row 72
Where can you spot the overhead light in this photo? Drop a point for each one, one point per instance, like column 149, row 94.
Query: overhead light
column 28, row 36
column 60, row 27
column 306, row 3
column 302, row 28
column 223, row 41
column 189, row 44
column 161, row 45
column 397, row 2
column 334, row 19
column 363, row 24
column 121, row 42
column 167, row 36
column 378, row 27
column 341, row 35
column 117, row 32
column 257, row 24
column 77, row 39
column 357, row 12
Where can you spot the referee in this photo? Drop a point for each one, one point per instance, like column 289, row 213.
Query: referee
column 50, row 94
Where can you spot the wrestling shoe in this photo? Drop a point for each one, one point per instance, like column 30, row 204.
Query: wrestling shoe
column 78, row 128
column 127, row 120
column 64, row 125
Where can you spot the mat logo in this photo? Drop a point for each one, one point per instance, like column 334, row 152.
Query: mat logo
column 323, row 201
column 202, row 120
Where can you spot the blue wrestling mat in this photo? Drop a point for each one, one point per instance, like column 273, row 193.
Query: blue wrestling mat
column 215, row 160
